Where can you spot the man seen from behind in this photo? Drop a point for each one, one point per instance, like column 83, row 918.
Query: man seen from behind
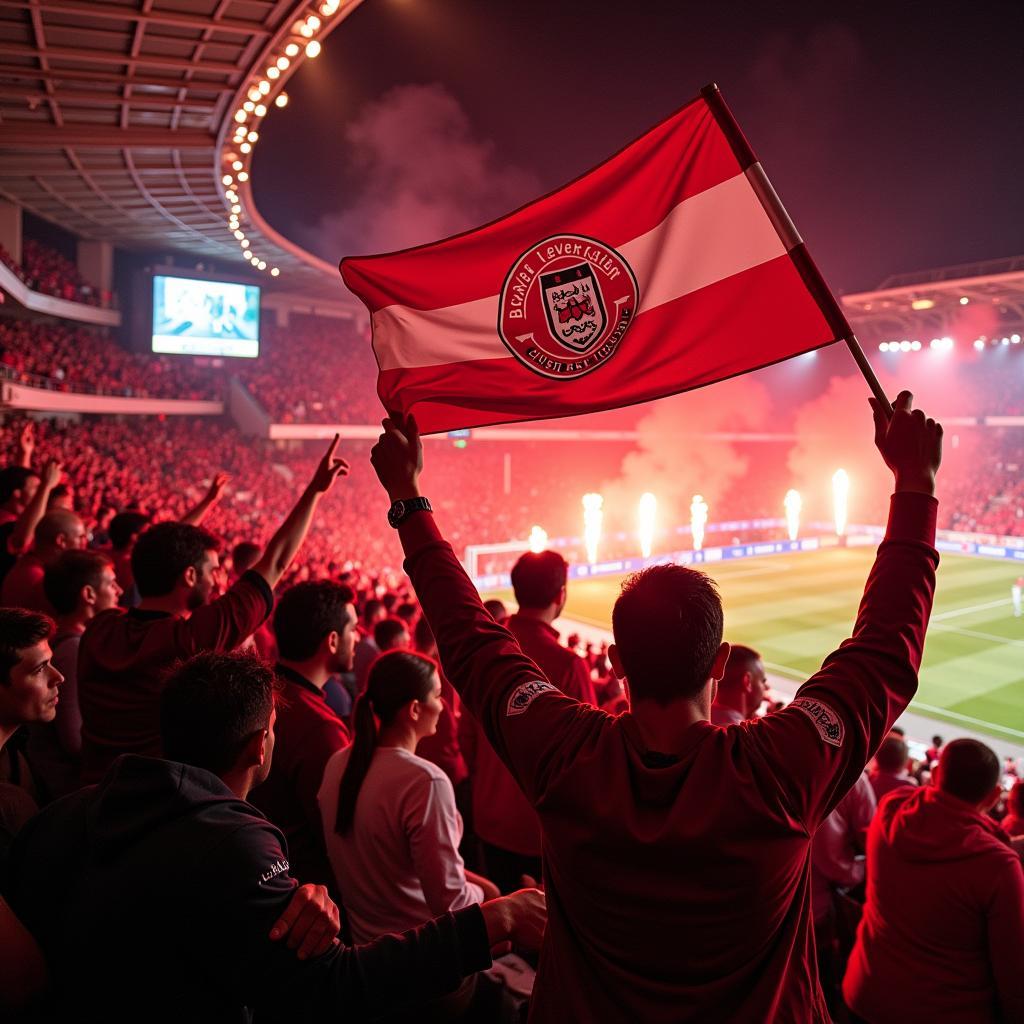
column 676, row 853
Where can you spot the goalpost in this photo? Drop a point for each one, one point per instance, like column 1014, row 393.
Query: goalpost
column 483, row 572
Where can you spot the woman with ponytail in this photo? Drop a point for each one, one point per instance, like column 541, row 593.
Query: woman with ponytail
column 390, row 824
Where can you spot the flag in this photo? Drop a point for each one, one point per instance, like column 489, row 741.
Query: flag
column 667, row 267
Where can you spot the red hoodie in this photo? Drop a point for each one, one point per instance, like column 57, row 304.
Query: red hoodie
column 678, row 882
column 942, row 937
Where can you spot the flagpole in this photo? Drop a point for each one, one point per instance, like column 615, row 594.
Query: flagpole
column 783, row 224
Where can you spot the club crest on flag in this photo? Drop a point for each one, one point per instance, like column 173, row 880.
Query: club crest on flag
column 572, row 301
column 566, row 305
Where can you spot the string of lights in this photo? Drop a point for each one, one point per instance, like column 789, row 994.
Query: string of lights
column 261, row 92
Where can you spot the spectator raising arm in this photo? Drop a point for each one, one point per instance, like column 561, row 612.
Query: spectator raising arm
column 196, row 515
column 24, row 531
column 224, row 623
column 278, row 554
column 483, row 660
column 26, row 445
column 819, row 744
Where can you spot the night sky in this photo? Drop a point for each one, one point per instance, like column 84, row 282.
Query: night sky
column 894, row 133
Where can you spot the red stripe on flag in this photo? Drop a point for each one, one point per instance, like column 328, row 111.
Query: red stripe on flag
column 620, row 199
column 745, row 322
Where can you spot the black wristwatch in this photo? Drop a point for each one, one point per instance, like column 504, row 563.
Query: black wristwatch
column 401, row 510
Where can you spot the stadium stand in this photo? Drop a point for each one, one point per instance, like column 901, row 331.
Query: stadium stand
column 64, row 357
column 315, row 370
column 45, row 270
column 313, row 579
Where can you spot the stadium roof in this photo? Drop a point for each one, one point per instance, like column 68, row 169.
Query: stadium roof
column 935, row 300
column 130, row 121
column 118, row 118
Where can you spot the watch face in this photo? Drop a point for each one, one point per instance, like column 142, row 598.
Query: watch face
column 396, row 512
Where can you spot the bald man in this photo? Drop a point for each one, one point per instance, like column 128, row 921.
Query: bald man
column 743, row 688
column 58, row 531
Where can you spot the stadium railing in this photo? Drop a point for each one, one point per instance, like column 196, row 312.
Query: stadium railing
column 52, row 305
column 45, row 394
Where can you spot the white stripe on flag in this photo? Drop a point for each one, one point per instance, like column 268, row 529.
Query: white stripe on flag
column 706, row 238
column 404, row 337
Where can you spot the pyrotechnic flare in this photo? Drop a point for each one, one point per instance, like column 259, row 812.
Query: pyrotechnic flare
column 792, row 504
column 593, row 517
column 840, row 498
column 538, row 539
column 646, row 514
column 698, row 520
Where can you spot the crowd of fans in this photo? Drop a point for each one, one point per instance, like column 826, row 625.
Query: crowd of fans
column 163, row 465
column 315, row 370
column 986, row 495
column 62, row 357
column 45, row 270
column 252, row 728
column 321, row 370
column 989, row 381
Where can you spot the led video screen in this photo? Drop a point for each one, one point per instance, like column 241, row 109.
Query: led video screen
column 205, row 318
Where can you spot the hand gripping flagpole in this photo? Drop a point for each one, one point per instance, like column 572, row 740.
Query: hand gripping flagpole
column 787, row 231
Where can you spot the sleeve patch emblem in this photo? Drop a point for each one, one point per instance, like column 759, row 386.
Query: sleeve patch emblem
column 829, row 725
column 279, row 867
column 525, row 694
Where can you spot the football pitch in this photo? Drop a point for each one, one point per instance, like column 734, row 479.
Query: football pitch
column 795, row 609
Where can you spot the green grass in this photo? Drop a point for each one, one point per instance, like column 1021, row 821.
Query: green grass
column 796, row 608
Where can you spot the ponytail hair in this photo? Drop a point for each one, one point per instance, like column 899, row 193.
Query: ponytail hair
column 396, row 678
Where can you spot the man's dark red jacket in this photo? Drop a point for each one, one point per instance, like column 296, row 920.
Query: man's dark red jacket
column 942, row 936
column 678, row 882
column 124, row 658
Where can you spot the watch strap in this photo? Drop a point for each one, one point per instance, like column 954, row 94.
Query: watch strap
column 401, row 510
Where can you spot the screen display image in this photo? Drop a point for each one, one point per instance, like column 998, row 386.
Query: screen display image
column 205, row 318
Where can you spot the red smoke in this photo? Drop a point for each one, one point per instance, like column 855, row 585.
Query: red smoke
column 675, row 460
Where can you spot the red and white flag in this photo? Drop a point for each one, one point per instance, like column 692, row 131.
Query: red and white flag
column 669, row 266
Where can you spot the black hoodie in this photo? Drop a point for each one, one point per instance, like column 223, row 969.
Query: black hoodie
column 153, row 893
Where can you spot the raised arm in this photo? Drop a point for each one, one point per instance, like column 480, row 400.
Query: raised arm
column 24, row 531
column 481, row 659
column 820, row 743
column 196, row 515
column 278, row 554
column 26, row 445
column 469, row 642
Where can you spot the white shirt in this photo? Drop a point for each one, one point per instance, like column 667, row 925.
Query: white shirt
column 399, row 864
